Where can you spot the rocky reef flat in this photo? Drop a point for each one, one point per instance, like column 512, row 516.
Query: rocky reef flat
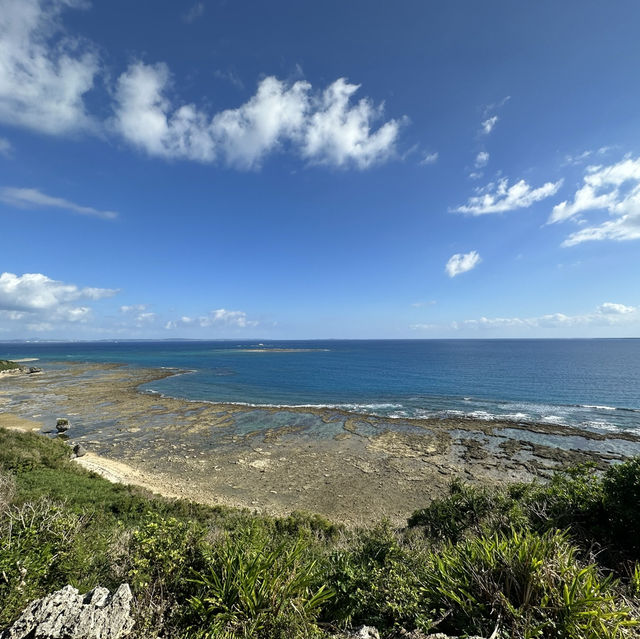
column 351, row 467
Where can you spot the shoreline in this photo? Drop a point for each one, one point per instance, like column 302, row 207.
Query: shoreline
column 350, row 467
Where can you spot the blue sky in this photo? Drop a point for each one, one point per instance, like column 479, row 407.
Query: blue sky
column 353, row 169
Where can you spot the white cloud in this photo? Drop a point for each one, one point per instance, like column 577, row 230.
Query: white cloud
column 5, row 147
column 429, row 158
column 489, row 124
column 580, row 158
column 37, row 298
column 133, row 308
column 339, row 134
column 195, row 12
column 462, row 262
column 33, row 198
column 610, row 308
column 499, row 197
column 607, row 314
column 219, row 317
column 44, row 75
column 324, row 129
column 482, row 159
column 615, row 189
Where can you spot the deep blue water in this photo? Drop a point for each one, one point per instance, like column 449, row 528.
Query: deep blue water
column 590, row 383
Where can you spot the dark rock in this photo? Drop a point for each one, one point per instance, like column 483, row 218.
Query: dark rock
column 62, row 424
column 34, row 369
column 65, row 614
column 79, row 450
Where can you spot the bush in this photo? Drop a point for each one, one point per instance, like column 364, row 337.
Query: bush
column 376, row 581
column 467, row 509
column 38, row 553
column 529, row 585
column 621, row 500
column 252, row 590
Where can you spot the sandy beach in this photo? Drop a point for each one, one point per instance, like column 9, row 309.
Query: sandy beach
column 353, row 468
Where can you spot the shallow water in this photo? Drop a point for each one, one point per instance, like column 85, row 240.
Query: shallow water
column 593, row 384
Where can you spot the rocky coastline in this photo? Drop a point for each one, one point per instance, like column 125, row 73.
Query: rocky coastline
column 350, row 467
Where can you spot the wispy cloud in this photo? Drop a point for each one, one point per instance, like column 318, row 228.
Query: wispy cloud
column 43, row 77
column 219, row 317
column 323, row 128
column 607, row 314
column 581, row 158
column 429, row 158
column 615, row 189
column 462, row 262
column 489, row 124
column 229, row 76
column 5, row 147
column 482, row 159
column 33, row 198
column 499, row 197
column 195, row 12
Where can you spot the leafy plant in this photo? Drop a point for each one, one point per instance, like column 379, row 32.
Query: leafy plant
column 529, row 584
column 255, row 591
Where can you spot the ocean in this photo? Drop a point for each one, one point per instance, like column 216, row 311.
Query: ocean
column 589, row 383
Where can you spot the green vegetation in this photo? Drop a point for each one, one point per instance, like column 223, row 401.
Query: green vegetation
column 559, row 559
column 8, row 365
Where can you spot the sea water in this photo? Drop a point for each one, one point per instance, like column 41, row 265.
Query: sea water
column 590, row 383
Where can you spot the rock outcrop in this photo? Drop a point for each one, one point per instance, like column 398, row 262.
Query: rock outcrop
column 66, row 614
column 62, row 424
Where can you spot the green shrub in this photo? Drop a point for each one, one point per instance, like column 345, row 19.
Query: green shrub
column 252, row 590
column 39, row 552
column 376, row 581
column 621, row 499
column 528, row 584
column 466, row 509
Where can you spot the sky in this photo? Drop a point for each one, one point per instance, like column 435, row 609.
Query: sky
column 296, row 170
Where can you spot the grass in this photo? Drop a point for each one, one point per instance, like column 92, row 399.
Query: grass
column 557, row 560
column 8, row 365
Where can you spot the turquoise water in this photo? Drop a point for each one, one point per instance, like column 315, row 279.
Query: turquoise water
column 587, row 383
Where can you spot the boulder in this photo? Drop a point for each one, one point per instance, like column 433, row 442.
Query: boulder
column 66, row 614
column 34, row 369
column 79, row 450
column 62, row 424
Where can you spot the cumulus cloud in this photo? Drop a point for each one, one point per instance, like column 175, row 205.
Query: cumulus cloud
column 218, row 317
column 324, row 129
column 615, row 189
column 499, row 197
column 33, row 198
column 44, row 75
column 488, row 124
column 36, row 298
column 462, row 262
